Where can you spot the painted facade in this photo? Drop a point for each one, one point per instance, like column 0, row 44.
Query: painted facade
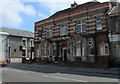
column 114, row 32
column 20, row 44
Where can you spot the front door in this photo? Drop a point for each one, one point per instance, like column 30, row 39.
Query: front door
column 64, row 54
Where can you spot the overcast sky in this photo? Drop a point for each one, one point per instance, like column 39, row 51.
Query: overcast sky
column 22, row 14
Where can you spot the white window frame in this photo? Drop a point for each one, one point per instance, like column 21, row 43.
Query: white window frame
column 80, row 23
column 98, row 20
column 102, row 49
column 49, row 32
column 63, row 27
column 32, row 40
column 25, row 42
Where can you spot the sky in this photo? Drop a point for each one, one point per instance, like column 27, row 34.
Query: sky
column 22, row 14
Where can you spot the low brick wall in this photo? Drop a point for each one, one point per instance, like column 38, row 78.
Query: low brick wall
column 83, row 64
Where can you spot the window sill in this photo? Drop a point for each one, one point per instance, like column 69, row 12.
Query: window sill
column 90, row 55
column 104, row 55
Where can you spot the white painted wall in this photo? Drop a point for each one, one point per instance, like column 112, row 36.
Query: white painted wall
column 3, row 45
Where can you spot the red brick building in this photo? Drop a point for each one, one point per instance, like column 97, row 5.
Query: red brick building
column 77, row 34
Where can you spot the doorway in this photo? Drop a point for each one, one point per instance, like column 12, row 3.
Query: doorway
column 64, row 54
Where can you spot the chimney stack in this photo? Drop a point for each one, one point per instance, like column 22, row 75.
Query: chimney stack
column 74, row 4
column 114, row 2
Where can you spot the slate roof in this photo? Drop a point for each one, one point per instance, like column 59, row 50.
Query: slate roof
column 19, row 33
column 81, row 6
column 115, row 10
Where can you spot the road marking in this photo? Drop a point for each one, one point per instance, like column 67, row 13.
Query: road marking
column 105, row 78
column 20, row 71
column 64, row 78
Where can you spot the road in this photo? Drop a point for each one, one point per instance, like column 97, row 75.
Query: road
column 14, row 73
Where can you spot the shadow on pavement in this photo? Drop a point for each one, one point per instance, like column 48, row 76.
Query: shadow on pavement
column 46, row 70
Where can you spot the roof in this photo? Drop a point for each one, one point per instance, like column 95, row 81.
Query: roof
column 115, row 10
column 19, row 33
column 3, row 33
column 81, row 6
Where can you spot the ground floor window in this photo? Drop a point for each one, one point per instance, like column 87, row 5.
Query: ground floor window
column 79, row 49
column 37, row 53
column 103, row 49
column 118, row 51
column 90, row 48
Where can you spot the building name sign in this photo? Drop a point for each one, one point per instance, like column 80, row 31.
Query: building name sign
column 60, row 38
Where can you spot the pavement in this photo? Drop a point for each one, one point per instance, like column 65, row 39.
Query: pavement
column 32, row 73
column 110, row 71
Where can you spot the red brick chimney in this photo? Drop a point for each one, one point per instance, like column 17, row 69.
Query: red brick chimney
column 74, row 4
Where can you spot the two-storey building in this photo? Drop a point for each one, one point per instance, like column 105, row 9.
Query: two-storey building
column 79, row 33
column 114, row 32
column 20, row 44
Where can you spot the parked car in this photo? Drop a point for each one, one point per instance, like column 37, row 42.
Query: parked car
column 3, row 64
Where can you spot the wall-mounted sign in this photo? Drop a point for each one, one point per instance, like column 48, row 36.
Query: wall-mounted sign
column 60, row 38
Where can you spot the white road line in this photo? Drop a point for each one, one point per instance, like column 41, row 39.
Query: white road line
column 20, row 71
column 64, row 78
column 105, row 78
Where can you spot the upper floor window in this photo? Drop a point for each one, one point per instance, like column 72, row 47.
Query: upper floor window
column 24, row 42
column 81, row 26
column 98, row 23
column 63, row 30
column 49, row 32
column 31, row 43
column 40, row 33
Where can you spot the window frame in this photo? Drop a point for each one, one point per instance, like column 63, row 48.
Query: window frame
column 49, row 32
column 90, row 46
column 40, row 33
column 98, row 19
column 102, row 48
column 81, row 23
column 118, row 24
column 63, row 29
column 81, row 47
column 24, row 39
column 32, row 44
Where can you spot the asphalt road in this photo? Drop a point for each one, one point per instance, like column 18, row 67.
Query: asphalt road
column 14, row 73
